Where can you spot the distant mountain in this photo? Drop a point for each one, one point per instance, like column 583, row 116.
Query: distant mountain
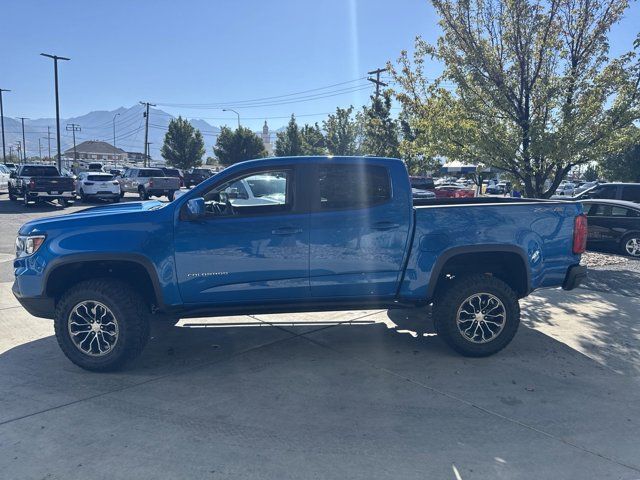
column 98, row 125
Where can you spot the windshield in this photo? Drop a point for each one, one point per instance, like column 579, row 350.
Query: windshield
column 40, row 171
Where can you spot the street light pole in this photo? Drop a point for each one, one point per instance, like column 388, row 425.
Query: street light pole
column 55, row 69
column 24, row 143
column 231, row 110
column 4, row 154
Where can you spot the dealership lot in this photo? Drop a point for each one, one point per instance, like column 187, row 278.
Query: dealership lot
column 361, row 394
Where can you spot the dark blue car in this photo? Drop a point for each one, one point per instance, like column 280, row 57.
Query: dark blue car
column 294, row 234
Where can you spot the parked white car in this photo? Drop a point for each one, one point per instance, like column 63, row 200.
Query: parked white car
column 90, row 185
column 4, row 178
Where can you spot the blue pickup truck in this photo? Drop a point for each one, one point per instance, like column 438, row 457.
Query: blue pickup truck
column 294, row 234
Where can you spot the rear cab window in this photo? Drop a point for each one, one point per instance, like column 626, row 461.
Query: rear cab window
column 148, row 172
column 353, row 186
column 38, row 171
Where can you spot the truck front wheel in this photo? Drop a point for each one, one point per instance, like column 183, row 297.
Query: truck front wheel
column 477, row 315
column 101, row 324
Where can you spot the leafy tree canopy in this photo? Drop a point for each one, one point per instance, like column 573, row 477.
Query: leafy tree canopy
column 342, row 132
column 183, row 145
column 238, row 145
column 313, row 142
column 528, row 87
column 380, row 131
column 289, row 141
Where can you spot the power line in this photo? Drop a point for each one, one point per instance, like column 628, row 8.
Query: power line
column 259, row 99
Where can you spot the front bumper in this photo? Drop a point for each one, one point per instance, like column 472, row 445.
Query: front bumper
column 43, row 307
column 575, row 276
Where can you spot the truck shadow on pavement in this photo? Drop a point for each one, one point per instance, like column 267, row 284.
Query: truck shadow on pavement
column 369, row 398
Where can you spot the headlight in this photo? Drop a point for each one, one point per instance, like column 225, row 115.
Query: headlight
column 28, row 244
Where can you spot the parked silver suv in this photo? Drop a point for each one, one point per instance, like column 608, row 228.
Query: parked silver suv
column 149, row 182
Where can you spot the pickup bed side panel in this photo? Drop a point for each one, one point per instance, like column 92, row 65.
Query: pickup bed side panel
column 541, row 233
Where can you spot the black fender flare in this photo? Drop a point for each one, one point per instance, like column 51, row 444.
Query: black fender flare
column 450, row 253
column 137, row 258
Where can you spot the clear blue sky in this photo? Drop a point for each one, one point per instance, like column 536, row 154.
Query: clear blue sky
column 201, row 51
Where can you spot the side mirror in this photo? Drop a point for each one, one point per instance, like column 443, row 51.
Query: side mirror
column 195, row 208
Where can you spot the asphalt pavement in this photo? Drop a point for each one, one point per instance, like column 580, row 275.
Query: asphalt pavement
column 360, row 394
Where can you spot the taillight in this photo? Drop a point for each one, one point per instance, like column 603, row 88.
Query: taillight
column 151, row 183
column 32, row 184
column 580, row 234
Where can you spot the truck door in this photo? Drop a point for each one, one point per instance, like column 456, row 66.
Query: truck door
column 242, row 252
column 360, row 222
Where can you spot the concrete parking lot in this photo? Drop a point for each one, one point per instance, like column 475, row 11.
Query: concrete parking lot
column 360, row 394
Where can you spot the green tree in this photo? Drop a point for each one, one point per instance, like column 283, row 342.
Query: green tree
column 417, row 160
column 313, row 142
column 380, row 131
column 238, row 145
column 289, row 142
column 341, row 132
column 591, row 174
column 183, row 145
column 528, row 86
column 624, row 166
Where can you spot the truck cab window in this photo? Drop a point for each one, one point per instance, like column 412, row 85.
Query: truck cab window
column 254, row 194
column 353, row 186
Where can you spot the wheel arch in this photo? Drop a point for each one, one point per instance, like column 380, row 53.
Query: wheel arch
column 135, row 269
column 507, row 262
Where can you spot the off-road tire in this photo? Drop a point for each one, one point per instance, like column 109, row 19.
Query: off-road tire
column 143, row 194
column 451, row 298
column 12, row 196
column 130, row 311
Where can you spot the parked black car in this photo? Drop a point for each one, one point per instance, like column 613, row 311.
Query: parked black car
column 614, row 224
column 422, row 183
column 195, row 176
column 615, row 191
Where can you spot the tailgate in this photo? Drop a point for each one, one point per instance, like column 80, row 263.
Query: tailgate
column 166, row 183
column 53, row 184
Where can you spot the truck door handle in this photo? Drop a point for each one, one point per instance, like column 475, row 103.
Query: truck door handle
column 385, row 225
column 286, row 231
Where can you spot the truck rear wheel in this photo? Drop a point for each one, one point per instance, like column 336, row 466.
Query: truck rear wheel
column 477, row 315
column 101, row 324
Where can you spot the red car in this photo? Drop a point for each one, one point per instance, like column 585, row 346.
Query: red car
column 454, row 191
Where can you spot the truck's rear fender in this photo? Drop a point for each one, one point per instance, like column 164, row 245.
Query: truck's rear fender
column 528, row 245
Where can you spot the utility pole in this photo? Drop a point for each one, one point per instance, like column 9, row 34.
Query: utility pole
column 146, row 131
column 24, row 143
column 19, row 149
column 149, row 150
column 4, row 155
column 377, row 81
column 74, row 127
column 49, row 140
column 39, row 149
column 55, row 69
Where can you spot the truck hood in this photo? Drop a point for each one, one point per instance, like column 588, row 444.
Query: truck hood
column 107, row 211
